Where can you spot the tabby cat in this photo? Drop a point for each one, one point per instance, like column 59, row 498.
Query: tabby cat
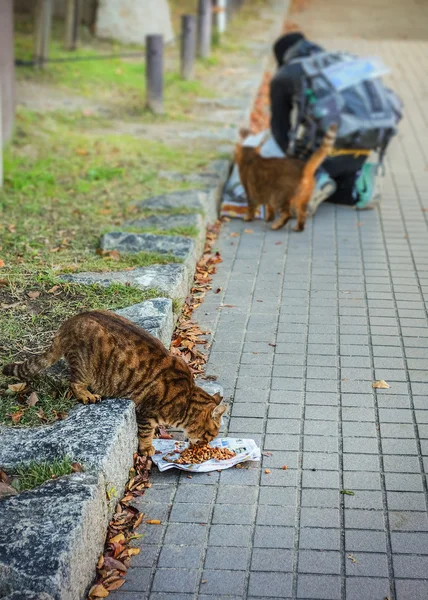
column 283, row 185
column 116, row 358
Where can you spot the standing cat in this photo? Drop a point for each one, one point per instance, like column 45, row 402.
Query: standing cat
column 116, row 358
column 283, row 185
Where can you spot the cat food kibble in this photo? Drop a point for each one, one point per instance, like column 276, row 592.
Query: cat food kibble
column 200, row 452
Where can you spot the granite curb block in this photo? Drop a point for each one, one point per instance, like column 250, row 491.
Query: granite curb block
column 155, row 316
column 180, row 247
column 58, row 530
column 170, row 280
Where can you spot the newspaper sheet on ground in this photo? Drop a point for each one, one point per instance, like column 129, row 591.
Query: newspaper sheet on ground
column 170, row 449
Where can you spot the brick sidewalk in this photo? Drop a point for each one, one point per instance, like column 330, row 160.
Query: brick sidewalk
column 318, row 316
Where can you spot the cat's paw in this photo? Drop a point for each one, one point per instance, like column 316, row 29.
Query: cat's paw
column 277, row 225
column 89, row 398
column 146, row 450
column 248, row 218
column 299, row 228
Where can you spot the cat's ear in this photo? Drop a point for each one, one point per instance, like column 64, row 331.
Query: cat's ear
column 218, row 411
column 217, row 398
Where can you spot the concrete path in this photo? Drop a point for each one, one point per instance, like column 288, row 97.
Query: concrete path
column 316, row 318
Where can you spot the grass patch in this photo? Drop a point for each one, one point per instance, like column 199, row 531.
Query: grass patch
column 64, row 186
column 28, row 477
column 27, row 325
column 182, row 230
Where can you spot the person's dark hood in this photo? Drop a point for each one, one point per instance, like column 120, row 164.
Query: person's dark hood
column 301, row 49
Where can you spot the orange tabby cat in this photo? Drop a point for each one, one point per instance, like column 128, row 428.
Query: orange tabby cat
column 283, row 185
column 116, row 358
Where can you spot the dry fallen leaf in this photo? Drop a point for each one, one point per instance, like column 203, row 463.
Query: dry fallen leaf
column 2, row 263
column 32, row 399
column 248, row 230
column 115, row 585
column 17, row 387
column 284, row 468
column 153, row 522
column 82, row 151
column 267, row 471
column 76, row 467
column 352, row 558
column 118, row 539
column 133, row 551
column 218, row 290
column 17, row 416
column 380, row 385
column 54, row 289
column 6, row 490
column 98, row 591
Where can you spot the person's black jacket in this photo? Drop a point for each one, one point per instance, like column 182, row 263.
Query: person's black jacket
column 284, row 86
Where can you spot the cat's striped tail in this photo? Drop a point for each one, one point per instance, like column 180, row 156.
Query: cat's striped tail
column 34, row 364
column 319, row 156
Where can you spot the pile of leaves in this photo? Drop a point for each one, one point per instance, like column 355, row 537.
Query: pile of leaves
column 188, row 337
column 114, row 562
column 260, row 115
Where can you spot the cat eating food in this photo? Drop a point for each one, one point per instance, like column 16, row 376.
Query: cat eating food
column 116, row 358
column 283, row 185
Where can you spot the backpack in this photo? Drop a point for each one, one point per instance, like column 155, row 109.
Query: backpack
column 338, row 87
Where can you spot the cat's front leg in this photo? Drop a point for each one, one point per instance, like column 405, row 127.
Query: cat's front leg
column 251, row 212
column 146, row 431
column 270, row 212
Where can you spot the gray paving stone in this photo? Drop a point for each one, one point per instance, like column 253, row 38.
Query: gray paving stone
column 318, row 586
column 187, row 512
column 227, row 558
column 180, row 557
column 233, row 514
column 188, row 534
column 364, row 519
column 230, row 535
column 137, row 580
column 175, row 580
column 222, row 582
column 365, row 541
column 311, row 561
column 314, row 538
column 409, row 543
column 270, row 585
column 273, row 537
column 416, row 590
column 408, row 521
column 360, row 587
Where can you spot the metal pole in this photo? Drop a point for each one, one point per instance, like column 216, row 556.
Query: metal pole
column 188, row 45
column 154, row 72
column 204, row 28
